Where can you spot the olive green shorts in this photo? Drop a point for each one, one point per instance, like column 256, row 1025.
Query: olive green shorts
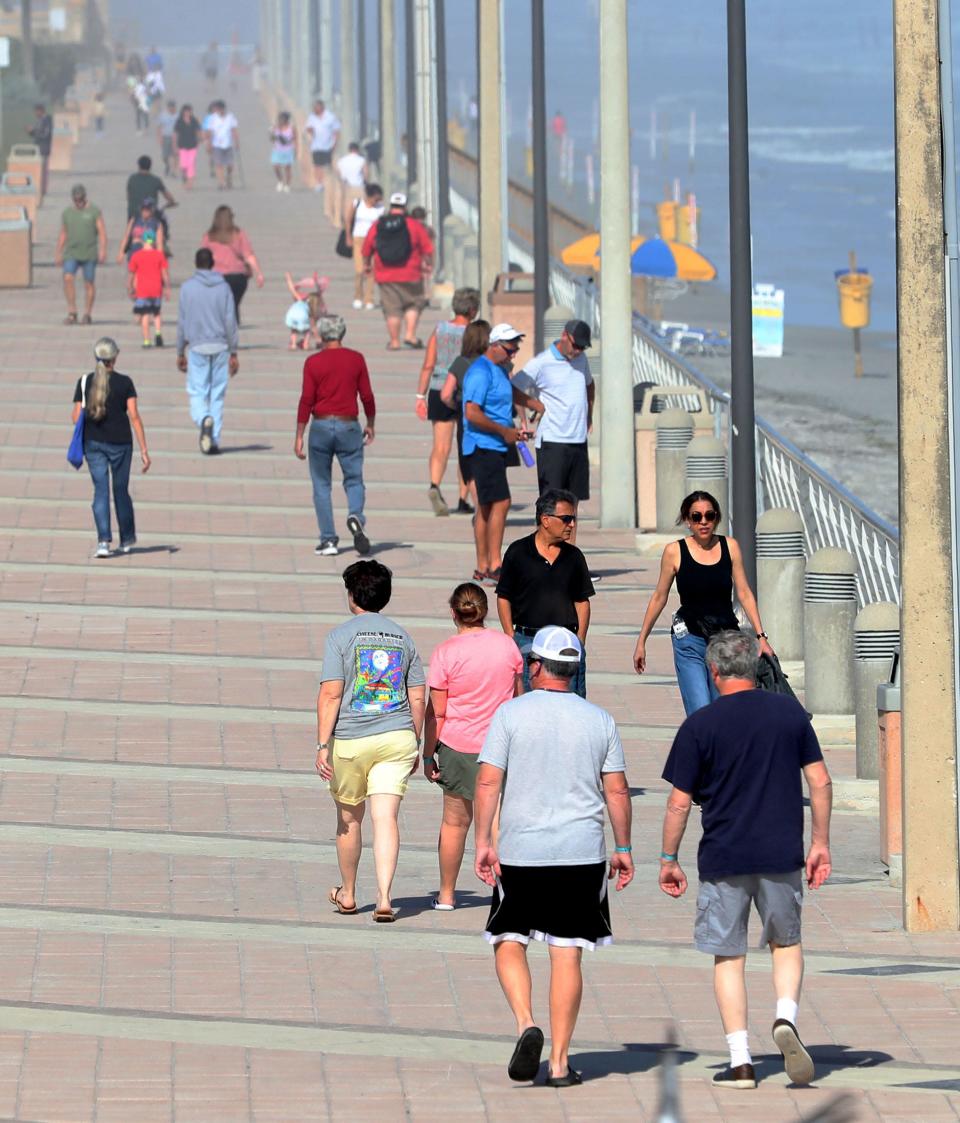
column 458, row 771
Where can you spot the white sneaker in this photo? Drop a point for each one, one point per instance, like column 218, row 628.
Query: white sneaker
column 279, row 186
column 103, row 550
column 358, row 304
column 286, row 188
column 369, row 307
column 326, row 549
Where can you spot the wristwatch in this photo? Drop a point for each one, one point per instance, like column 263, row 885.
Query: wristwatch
column 325, row 745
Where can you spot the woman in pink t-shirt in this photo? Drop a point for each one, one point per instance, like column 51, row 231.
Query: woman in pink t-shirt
column 471, row 674
column 233, row 255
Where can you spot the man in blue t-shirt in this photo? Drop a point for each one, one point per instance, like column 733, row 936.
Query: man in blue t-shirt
column 488, row 432
column 741, row 759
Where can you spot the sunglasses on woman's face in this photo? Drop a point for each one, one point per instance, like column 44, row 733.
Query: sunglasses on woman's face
column 702, row 516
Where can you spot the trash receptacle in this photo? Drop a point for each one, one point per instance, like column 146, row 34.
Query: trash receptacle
column 891, row 776
column 854, row 290
column 16, row 247
column 27, row 158
column 511, row 302
column 18, row 189
column 68, row 119
column 61, row 149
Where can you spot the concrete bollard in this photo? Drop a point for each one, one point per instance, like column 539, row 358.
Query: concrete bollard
column 554, row 320
column 891, row 779
column 674, row 432
column 780, row 568
column 471, row 263
column 876, row 639
column 829, row 610
column 706, row 470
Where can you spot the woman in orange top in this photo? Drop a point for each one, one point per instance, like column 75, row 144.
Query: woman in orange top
column 233, row 255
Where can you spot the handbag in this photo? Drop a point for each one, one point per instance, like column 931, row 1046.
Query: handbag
column 75, row 451
column 341, row 248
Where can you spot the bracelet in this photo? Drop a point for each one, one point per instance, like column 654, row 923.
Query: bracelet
column 762, row 635
column 430, row 758
column 325, row 745
column 421, row 397
column 665, row 857
column 624, row 849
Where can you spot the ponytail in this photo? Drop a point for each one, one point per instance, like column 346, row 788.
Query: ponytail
column 105, row 351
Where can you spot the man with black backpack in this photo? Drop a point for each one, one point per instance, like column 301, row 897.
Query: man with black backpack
column 399, row 253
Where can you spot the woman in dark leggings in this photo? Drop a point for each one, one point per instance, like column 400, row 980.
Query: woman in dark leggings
column 708, row 569
column 233, row 255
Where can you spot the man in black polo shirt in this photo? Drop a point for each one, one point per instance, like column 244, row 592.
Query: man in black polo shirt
column 544, row 580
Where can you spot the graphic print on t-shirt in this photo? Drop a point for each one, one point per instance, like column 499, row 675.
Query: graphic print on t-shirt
column 380, row 685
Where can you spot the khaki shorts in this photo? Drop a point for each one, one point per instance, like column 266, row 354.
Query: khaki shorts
column 397, row 297
column 377, row 765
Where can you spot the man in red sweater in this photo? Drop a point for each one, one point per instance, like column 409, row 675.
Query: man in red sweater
column 333, row 380
column 399, row 253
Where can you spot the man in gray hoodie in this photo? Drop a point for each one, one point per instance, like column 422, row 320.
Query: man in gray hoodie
column 207, row 325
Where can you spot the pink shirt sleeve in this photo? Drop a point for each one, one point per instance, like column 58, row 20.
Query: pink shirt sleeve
column 439, row 674
column 241, row 244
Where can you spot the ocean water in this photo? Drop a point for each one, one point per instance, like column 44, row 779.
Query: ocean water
column 821, row 127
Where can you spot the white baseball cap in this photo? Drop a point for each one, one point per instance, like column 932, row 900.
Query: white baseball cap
column 398, row 199
column 504, row 333
column 553, row 642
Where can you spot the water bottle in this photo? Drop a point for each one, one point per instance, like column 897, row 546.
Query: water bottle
column 678, row 626
column 525, row 454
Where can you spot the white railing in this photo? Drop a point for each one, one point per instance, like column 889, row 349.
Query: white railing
column 786, row 476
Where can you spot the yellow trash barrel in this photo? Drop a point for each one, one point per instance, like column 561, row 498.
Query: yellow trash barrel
column 854, row 290
column 667, row 220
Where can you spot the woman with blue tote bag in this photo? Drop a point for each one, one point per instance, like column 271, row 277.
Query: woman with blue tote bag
column 105, row 412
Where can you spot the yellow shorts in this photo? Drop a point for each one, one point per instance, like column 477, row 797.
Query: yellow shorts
column 377, row 765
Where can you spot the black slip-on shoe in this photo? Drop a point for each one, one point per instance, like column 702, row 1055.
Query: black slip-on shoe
column 796, row 1059
column 572, row 1077
column 525, row 1062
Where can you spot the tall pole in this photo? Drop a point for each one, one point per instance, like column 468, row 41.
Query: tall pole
column 618, row 495
column 443, row 151
column 931, row 865
column 298, row 51
column 26, row 38
column 348, row 72
column 362, row 115
column 490, row 145
column 541, row 215
column 326, row 51
column 410, row 90
column 388, row 92
column 742, row 436
column 426, row 102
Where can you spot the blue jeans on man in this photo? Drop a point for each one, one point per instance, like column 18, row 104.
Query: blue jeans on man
column 329, row 438
column 105, row 460
column 697, row 688
column 207, row 379
column 578, row 684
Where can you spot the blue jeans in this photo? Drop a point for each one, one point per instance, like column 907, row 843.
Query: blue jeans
column 344, row 440
column 104, row 459
column 693, row 677
column 207, row 378
column 578, row 684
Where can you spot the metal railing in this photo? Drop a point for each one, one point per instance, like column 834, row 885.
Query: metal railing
column 786, row 477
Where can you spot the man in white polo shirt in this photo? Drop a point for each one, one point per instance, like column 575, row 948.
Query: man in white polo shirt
column 560, row 378
column 323, row 129
column 223, row 141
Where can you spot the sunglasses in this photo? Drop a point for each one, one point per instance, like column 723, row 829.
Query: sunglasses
column 702, row 516
column 565, row 519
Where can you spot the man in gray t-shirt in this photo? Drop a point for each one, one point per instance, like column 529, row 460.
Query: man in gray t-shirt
column 557, row 759
column 369, row 719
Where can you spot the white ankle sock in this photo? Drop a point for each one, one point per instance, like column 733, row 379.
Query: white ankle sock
column 739, row 1045
column 787, row 1008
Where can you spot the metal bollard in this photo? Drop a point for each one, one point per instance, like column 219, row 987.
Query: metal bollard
column 829, row 610
column 674, row 432
column 780, row 566
column 706, row 470
column 876, row 639
column 554, row 319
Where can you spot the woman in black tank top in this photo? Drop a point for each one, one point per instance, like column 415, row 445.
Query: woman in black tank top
column 708, row 569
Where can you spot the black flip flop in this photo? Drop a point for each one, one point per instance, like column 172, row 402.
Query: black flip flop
column 567, row 1081
column 414, row 344
column 525, row 1062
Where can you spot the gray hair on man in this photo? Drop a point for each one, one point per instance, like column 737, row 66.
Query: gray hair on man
column 332, row 328
column 733, row 654
column 466, row 302
column 551, row 499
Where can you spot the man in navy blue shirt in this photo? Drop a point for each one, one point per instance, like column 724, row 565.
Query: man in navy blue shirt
column 741, row 759
column 488, row 432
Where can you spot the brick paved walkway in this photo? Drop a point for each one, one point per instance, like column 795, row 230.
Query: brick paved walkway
column 166, row 948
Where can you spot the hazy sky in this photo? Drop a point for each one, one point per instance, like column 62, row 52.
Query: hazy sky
column 184, row 22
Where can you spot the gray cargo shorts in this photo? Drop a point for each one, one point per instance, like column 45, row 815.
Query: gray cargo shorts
column 723, row 909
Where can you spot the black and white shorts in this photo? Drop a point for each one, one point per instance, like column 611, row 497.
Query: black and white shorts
column 566, row 906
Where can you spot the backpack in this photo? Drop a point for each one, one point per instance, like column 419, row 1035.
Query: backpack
column 392, row 241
